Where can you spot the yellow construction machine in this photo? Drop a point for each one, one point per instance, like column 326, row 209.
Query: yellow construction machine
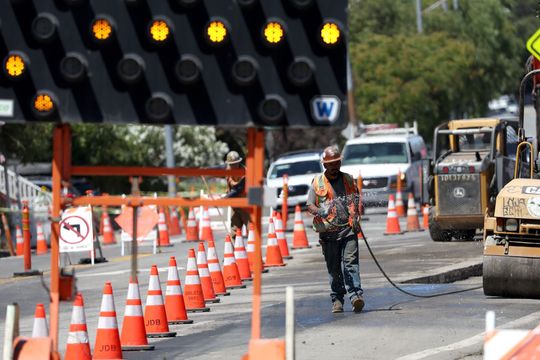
column 469, row 168
column 511, row 266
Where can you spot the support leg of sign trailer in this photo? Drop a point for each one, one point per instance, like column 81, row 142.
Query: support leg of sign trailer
column 254, row 178
column 134, row 245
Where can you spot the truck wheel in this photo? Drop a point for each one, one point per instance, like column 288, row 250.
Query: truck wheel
column 436, row 233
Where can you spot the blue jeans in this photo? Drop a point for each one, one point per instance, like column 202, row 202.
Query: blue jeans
column 341, row 258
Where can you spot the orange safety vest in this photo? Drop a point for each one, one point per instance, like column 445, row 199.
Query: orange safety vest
column 324, row 193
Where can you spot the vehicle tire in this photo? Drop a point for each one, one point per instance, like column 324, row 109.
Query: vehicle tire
column 435, row 231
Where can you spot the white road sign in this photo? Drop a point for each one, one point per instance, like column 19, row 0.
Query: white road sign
column 76, row 230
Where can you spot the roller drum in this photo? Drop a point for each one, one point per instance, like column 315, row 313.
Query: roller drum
column 511, row 276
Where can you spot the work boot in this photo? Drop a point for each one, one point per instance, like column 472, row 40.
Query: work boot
column 357, row 303
column 337, row 307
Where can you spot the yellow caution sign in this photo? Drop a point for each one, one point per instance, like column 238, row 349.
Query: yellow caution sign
column 533, row 44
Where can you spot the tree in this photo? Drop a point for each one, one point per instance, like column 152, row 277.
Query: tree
column 462, row 60
column 407, row 78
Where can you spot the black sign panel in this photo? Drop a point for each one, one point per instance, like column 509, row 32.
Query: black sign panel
column 193, row 62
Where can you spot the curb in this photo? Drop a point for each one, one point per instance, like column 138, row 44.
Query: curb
column 449, row 276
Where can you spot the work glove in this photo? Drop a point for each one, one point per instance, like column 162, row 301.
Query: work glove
column 323, row 212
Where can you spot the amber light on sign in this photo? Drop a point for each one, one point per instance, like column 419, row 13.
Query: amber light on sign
column 330, row 33
column 15, row 65
column 43, row 103
column 217, row 31
column 101, row 29
column 159, row 30
column 273, row 32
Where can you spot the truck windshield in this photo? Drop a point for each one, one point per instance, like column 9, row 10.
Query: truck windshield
column 296, row 168
column 480, row 141
column 380, row 153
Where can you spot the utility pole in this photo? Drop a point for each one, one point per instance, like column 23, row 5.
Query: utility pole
column 419, row 26
column 169, row 158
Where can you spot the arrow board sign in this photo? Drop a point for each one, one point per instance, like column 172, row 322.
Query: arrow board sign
column 76, row 230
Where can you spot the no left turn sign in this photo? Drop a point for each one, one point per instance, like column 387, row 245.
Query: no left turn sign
column 76, row 230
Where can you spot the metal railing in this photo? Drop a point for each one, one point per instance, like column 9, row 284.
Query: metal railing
column 21, row 189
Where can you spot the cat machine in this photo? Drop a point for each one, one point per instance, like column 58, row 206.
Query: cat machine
column 511, row 263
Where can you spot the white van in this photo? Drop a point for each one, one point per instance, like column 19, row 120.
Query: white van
column 379, row 155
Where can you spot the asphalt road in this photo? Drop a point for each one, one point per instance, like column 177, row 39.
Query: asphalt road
column 393, row 325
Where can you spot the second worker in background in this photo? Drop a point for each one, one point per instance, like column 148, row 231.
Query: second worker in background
column 236, row 187
column 333, row 199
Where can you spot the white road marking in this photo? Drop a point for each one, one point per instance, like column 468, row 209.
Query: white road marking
column 474, row 340
column 119, row 272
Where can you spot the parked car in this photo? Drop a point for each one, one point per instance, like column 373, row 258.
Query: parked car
column 301, row 167
column 379, row 156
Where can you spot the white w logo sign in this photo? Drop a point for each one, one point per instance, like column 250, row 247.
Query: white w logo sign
column 325, row 109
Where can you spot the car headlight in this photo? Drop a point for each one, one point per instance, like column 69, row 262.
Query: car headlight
column 511, row 225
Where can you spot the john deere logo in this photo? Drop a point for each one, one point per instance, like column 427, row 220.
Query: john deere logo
column 459, row 192
column 325, row 109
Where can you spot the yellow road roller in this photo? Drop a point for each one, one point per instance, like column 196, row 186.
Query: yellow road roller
column 511, row 264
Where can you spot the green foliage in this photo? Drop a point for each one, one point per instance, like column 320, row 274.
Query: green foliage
column 27, row 143
column 463, row 58
column 117, row 145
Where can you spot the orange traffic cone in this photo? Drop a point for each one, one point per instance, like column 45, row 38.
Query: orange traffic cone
column 280, row 235
column 273, row 254
column 41, row 246
column 162, row 228
column 174, row 225
column 78, row 343
column 193, row 293
column 241, row 258
column 230, row 270
column 108, row 233
column 206, row 227
column 20, row 241
column 413, row 223
column 192, row 230
column 425, row 213
column 204, row 276
column 300, row 240
column 392, row 221
column 155, row 316
column 251, row 249
column 215, row 271
column 133, row 336
column 400, row 207
column 174, row 298
column 107, row 344
column 40, row 328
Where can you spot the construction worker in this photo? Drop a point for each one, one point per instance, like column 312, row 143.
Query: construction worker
column 333, row 200
column 236, row 187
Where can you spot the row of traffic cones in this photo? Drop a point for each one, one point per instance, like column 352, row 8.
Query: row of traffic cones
column 204, row 281
column 413, row 224
column 41, row 242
